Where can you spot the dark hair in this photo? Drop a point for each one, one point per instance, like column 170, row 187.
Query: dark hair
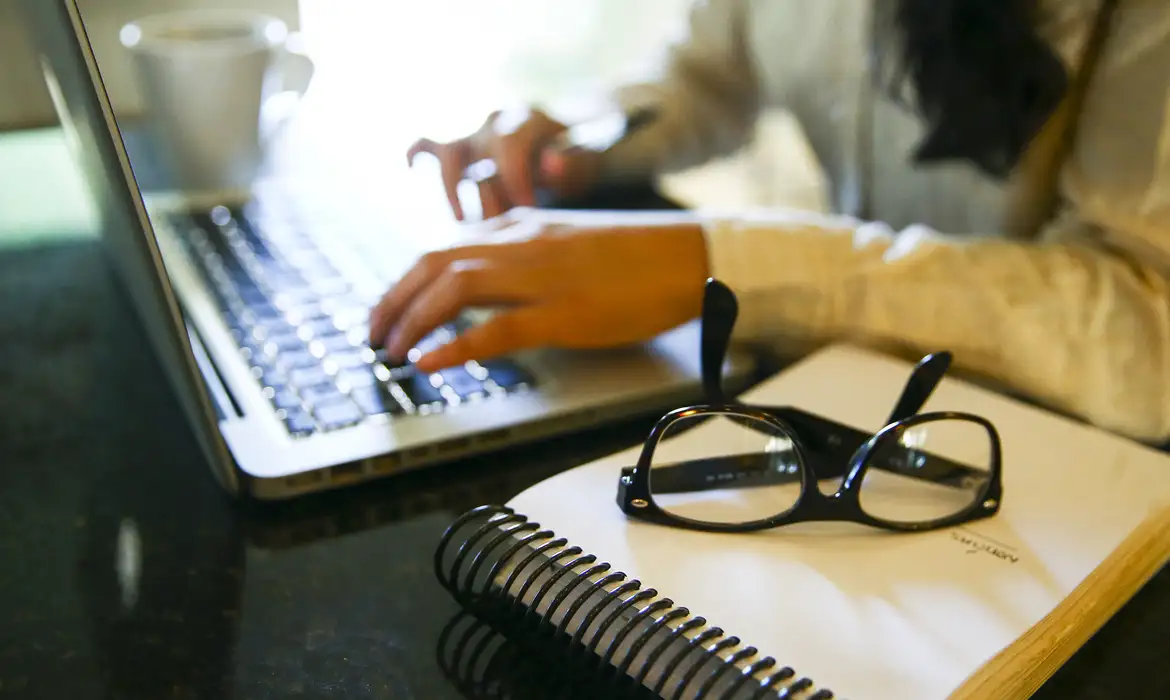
column 983, row 79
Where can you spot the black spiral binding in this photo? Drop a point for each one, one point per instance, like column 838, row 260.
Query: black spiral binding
column 514, row 577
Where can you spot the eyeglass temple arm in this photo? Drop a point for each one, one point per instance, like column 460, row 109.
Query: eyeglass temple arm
column 758, row 469
column 720, row 310
column 925, row 378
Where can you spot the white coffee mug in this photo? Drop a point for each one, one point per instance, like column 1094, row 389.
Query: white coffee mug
column 207, row 80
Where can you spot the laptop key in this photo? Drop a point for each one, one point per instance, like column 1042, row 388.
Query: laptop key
column 272, row 379
column 284, row 342
column 419, row 390
column 290, row 297
column 253, row 350
column 351, row 317
column 359, row 334
column 357, row 377
column 265, row 313
column 299, row 423
column 374, row 401
column 286, row 399
column 337, row 342
column 320, row 393
column 339, row 413
column 506, row 375
column 344, row 304
column 306, row 259
column 438, row 338
column 394, row 365
column 319, row 327
column 351, row 359
column 284, row 282
column 330, row 286
column 278, row 329
column 297, row 359
column 461, row 382
column 303, row 313
column 250, row 294
column 308, row 376
column 258, row 245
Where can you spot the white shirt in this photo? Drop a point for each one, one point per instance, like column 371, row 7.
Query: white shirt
column 1076, row 316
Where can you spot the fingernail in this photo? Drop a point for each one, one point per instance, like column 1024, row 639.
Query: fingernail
column 392, row 344
column 431, row 362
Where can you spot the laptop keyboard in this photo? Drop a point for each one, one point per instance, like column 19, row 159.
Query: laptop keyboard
column 304, row 331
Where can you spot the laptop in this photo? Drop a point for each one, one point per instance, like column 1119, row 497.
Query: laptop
column 261, row 327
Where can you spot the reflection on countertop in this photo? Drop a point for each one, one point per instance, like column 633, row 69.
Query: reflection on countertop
column 127, row 573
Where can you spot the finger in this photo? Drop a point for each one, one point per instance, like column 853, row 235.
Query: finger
column 514, row 154
column 460, row 287
column 453, row 159
column 385, row 313
column 507, row 332
column 492, row 200
column 428, row 267
column 486, row 133
column 421, row 146
column 452, row 164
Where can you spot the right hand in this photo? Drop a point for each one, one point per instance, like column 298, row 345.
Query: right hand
column 518, row 144
column 565, row 285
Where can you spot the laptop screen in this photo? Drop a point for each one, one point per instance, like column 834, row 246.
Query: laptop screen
column 82, row 102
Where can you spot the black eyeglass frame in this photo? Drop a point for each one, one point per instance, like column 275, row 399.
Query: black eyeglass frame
column 801, row 429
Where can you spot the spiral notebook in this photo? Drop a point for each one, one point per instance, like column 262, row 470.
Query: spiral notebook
column 819, row 611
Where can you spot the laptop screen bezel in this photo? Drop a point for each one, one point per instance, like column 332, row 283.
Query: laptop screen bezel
column 86, row 114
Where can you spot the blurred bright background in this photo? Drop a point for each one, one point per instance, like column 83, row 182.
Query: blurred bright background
column 388, row 72
column 391, row 72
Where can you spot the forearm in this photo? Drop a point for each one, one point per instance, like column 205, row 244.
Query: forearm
column 1069, row 326
column 705, row 96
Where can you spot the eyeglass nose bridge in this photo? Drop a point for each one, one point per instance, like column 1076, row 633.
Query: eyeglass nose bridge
column 815, row 505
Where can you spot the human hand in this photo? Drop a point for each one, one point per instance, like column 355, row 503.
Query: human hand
column 512, row 155
column 555, row 285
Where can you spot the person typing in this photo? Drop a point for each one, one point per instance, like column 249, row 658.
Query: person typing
column 989, row 199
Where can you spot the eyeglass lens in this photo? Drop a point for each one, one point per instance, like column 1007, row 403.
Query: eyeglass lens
column 736, row 468
column 733, row 469
column 930, row 470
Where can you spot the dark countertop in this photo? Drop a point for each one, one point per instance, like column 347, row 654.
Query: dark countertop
column 125, row 573
column 128, row 574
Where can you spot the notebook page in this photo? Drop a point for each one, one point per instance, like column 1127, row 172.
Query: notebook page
column 866, row 613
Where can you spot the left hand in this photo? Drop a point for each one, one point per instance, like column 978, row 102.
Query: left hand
column 558, row 285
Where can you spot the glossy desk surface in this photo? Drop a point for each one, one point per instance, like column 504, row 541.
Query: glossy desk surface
column 125, row 573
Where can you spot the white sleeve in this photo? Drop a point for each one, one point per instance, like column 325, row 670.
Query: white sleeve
column 1070, row 325
column 706, row 96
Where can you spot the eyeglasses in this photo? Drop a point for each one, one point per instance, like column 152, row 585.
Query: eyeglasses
column 744, row 468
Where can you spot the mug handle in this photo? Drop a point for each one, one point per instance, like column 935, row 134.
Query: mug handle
column 294, row 70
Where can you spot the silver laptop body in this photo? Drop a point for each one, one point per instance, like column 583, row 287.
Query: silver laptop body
column 193, row 267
